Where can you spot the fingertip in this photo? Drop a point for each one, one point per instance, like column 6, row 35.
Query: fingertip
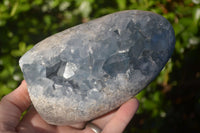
column 122, row 117
column 23, row 85
column 23, row 82
column 130, row 107
column 135, row 102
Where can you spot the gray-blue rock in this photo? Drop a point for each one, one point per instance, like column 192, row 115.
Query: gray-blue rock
column 90, row 69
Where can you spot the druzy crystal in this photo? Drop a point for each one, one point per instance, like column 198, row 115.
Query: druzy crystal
column 90, row 69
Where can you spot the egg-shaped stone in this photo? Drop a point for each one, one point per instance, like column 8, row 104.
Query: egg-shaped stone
column 90, row 69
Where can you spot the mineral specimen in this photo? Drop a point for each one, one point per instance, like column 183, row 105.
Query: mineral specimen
column 90, row 69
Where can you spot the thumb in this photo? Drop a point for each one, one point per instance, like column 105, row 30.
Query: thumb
column 12, row 106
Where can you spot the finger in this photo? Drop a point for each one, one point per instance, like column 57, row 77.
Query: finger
column 100, row 122
column 72, row 128
column 103, row 120
column 79, row 126
column 33, row 122
column 13, row 104
column 122, row 117
column 92, row 128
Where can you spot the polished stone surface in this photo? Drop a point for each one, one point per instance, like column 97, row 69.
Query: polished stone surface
column 90, row 69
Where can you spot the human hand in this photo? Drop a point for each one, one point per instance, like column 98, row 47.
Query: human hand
column 15, row 103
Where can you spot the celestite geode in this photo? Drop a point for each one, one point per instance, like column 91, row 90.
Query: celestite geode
column 90, row 69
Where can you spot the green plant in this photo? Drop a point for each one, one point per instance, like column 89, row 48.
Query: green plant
column 170, row 103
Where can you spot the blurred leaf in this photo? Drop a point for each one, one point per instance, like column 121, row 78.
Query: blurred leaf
column 149, row 105
column 85, row 9
column 37, row 2
column 22, row 49
column 196, row 1
column 197, row 16
column 121, row 4
column 16, row 53
column 14, row 9
column 47, row 19
column 22, row 46
column 64, row 5
column 4, row 90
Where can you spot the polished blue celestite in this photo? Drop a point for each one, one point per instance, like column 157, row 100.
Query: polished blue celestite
column 90, row 69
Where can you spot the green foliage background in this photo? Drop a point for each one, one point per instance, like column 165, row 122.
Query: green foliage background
column 169, row 104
